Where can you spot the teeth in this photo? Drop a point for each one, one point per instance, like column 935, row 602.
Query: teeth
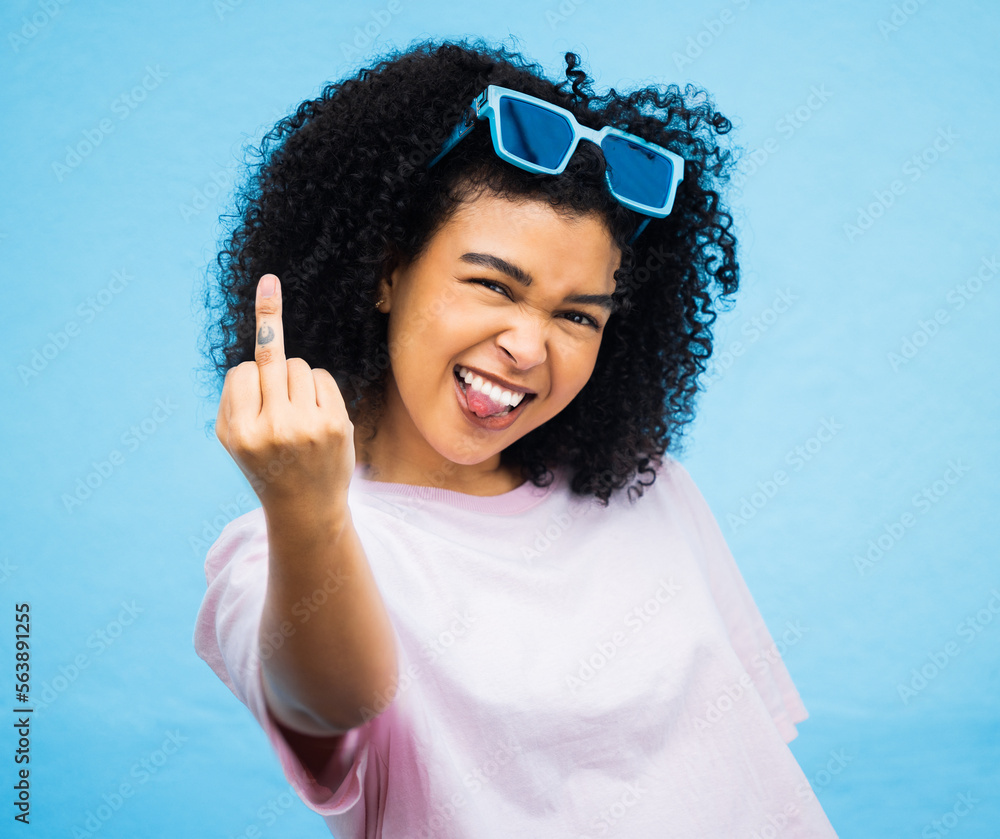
column 495, row 392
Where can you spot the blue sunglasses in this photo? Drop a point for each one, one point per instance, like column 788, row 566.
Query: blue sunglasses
column 538, row 136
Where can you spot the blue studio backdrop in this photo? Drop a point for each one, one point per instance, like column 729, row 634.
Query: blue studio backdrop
column 846, row 438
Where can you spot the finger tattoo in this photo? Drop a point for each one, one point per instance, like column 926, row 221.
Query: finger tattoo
column 265, row 334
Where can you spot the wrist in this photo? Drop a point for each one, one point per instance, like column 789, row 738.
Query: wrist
column 292, row 519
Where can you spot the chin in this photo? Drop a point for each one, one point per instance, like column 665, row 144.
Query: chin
column 471, row 455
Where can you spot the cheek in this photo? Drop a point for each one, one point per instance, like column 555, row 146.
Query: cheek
column 579, row 364
column 430, row 319
column 423, row 347
column 571, row 370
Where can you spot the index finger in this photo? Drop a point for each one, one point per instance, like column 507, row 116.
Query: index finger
column 269, row 350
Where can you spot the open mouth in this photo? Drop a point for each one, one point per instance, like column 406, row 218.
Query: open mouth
column 488, row 400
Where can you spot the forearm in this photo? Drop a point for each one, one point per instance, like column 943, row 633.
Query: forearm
column 326, row 641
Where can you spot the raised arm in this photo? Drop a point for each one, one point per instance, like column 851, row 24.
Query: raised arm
column 327, row 648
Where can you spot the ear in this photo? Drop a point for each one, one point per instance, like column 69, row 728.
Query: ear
column 383, row 294
column 390, row 269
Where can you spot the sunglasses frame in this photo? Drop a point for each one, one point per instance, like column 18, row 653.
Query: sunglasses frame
column 487, row 106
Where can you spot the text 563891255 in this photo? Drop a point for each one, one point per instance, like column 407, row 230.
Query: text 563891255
column 22, row 712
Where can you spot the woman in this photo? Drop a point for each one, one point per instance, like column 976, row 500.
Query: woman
column 465, row 309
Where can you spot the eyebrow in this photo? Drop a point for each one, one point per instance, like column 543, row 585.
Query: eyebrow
column 515, row 272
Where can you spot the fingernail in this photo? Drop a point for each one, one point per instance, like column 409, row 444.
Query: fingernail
column 267, row 286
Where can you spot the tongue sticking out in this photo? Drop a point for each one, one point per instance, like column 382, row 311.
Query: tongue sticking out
column 483, row 405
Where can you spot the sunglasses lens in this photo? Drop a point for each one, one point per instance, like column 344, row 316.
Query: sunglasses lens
column 637, row 173
column 533, row 134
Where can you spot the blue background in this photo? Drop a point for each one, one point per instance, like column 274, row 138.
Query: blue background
column 834, row 105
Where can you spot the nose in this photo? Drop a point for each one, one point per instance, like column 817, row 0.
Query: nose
column 524, row 342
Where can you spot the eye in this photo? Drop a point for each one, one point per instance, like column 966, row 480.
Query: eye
column 587, row 320
column 493, row 286
column 500, row 288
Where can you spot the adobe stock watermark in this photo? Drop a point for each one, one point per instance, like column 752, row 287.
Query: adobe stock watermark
column 768, row 656
column 655, row 260
column 131, row 439
column 609, row 817
column 6, row 570
column 878, row 547
column 447, row 468
column 899, row 16
column 797, row 457
column 48, row 10
column 308, row 268
column 86, row 312
column 958, row 296
column 563, row 12
column 202, row 197
column 98, row 642
column 431, row 651
column 786, row 127
column 913, row 170
column 752, row 330
column 426, row 148
column 365, row 36
column 274, row 469
column 712, row 28
column 267, row 815
column 777, row 822
column 498, row 755
column 636, row 619
column 140, row 773
column 224, row 8
column 303, row 610
column 459, row 627
column 558, row 523
column 937, row 661
column 122, row 106
column 210, row 530
column 716, row 710
column 823, row 777
column 940, row 827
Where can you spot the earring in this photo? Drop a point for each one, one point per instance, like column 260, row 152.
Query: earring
column 381, row 300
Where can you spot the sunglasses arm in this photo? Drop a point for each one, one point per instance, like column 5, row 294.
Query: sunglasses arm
column 642, row 227
column 458, row 133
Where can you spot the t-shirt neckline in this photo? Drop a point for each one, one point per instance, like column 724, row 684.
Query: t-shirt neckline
column 517, row 500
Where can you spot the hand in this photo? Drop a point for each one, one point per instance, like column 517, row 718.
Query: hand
column 286, row 424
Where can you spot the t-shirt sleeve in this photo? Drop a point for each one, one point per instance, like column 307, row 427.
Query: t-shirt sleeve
column 747, row 631
column 327, row 773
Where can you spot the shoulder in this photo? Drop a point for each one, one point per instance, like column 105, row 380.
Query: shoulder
column 663, row 482
column 670, row 501
column 681, row 492
column 671, row 472
column 677, row 481
column 666, row 480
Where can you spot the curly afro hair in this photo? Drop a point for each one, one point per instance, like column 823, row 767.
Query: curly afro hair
column 342, row 194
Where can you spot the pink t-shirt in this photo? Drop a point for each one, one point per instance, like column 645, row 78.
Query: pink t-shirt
column 567, row 670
